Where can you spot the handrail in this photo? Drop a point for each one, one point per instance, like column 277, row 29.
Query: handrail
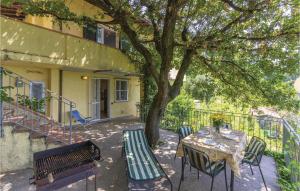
column 34, row 111
column 45, row 90
column 292, row 132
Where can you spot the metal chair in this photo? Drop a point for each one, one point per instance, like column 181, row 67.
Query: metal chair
column 84, row 121
column 254, row 153
column 183, row 132
column 227, row 126
column 201, row 162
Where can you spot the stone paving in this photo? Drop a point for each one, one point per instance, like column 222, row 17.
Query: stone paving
column 112, row 176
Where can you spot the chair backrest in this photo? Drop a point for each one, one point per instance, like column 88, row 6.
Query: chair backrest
column 197, row 159
column 256, row 146
column 227, row 125
column 76, row 115
column 184, row 131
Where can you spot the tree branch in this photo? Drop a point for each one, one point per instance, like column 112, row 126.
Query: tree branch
column 156, row 32
column 241, row 9
column 167, row 39
column 267, row 37
column 186, row 61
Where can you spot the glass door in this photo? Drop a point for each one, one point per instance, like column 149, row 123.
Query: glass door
column 96, row 99
column 100, row 99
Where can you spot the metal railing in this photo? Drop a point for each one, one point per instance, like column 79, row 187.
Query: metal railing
column 291, row 150
column 276, row 132
column 19, row 106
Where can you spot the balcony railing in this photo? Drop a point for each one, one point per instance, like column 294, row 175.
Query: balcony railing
column 276, row 132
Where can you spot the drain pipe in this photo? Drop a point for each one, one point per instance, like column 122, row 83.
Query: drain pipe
column 1, row 102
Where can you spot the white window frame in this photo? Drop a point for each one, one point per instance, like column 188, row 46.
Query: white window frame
column 117, row 91
column 101, row 29
column 37, row 82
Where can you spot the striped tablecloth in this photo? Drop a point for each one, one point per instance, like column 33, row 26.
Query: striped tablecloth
column 228, row 145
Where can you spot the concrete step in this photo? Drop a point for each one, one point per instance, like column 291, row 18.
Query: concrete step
column 36, row 135
column 51, row 141
column 19, row 128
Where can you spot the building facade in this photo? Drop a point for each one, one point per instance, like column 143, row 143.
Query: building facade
column 81, row 63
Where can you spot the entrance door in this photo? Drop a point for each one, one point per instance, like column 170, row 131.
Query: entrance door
column 100, row 102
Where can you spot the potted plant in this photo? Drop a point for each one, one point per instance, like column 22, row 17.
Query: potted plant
column 218, row 120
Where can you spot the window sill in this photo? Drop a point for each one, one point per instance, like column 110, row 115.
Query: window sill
column 120, row 101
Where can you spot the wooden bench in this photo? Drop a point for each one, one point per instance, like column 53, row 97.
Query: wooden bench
column 143, row 169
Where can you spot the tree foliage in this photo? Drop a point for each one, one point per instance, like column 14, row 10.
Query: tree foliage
column 247, row 48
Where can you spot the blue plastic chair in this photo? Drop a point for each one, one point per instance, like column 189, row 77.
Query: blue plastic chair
column 84, row 121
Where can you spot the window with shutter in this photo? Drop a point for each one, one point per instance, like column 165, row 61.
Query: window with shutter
column 110, row 38
column 89, row 32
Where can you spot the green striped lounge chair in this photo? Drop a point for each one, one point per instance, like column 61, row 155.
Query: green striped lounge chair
column 183, row 132
column 253, row 154
column 143, row 169
column 202, row 163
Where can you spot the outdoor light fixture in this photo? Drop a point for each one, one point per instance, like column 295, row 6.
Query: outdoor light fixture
column 84, row 77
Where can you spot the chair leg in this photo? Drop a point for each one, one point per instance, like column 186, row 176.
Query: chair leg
column 182, row 168
column 212, row 183
column 95, row 182
column 176, row 151
column 86, row 183
column 179, row 184
column 263, row 177
column 123, row 152
column 225, row 179
column 251, row 169
column 198, row 175
column 182, row 172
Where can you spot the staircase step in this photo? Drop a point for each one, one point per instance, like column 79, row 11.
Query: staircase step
column 14, row 118
column 20, row 129
column 50, row 140
column 36, row 135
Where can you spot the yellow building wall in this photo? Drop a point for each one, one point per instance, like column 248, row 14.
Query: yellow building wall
column 119, row 109
column 26, row 46
column 80, row 91
column 81, row 8
column 24, row 42
column 76, row 90
column 46, row 22
column 33, row 74
column 54, row 87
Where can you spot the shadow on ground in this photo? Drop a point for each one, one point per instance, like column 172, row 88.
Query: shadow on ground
column 112, row 176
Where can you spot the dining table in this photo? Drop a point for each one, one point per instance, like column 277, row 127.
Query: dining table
column 225, row 144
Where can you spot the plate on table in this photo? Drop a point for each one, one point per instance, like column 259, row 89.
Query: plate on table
column 231, row 136
column 203, row 132
column 225, row 131
column 222, row 147
column 209, row 142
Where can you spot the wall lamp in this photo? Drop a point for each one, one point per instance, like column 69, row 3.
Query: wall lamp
column 84, row 77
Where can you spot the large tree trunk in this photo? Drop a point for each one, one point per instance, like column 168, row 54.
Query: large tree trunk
column 154, row 116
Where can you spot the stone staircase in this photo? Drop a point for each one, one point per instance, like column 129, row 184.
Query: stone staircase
column 26, row 130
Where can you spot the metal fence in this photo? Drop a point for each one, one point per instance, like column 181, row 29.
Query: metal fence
column 276, row 132
column 291, row 150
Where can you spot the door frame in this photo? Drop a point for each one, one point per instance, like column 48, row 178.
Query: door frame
column 108, row 97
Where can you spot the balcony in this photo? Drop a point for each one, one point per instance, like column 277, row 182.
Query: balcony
column 33, row 44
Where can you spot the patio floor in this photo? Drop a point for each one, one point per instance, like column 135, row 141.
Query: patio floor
column 112, row 175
